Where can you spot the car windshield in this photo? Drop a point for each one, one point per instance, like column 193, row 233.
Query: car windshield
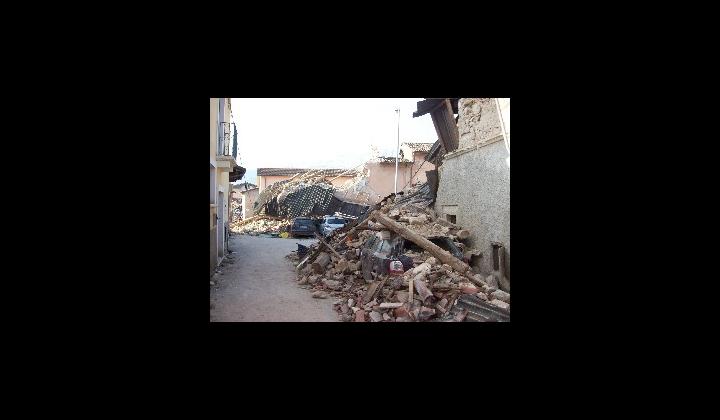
column 335, row 221
column 303, row 222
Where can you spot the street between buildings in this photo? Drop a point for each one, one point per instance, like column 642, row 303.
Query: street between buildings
column 257, row 283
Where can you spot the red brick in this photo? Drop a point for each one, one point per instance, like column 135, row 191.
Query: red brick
column 401, row 312
column 470, row 290
column 360, row 316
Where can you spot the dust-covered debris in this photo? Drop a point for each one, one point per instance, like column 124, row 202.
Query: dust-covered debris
column 426, row 291
column 260, row 225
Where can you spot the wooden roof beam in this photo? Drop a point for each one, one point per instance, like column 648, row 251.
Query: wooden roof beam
column 445, row 126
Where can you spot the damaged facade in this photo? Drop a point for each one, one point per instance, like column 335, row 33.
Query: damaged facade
column 473, row 176
column 417, row 154
column 368, row 185
column 310, row 193
column 379, row 172
column 223, row 170
column 245, row 194
column 381, row 176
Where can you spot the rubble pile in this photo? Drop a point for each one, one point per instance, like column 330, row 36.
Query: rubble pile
column 307, row 194
column 260, row 225
column 236, row 209
column 430, row 290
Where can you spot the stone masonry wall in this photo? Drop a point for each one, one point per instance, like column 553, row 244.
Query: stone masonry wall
column 474, row 183
column 478, row 122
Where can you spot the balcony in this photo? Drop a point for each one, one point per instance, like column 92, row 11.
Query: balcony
column 227, row 151
column 226, row 146
column 227, row 140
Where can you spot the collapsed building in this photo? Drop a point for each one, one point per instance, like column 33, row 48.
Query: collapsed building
column 306, row 194
column 268, row 176
column 309, row 193
column 435, row 284
column 466, row 201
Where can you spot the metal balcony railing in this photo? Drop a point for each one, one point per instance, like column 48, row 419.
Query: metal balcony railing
column 227, row 139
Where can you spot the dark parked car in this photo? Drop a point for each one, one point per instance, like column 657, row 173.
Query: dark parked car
column 303, row 226
column 381, row 250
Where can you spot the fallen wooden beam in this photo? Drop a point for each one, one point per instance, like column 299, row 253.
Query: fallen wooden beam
column 439, row 253
column 310, row 258
column 319, row 264
column 328, row 245
column 377, row 229
column 302, row 263
column 445, row 125
column 361, row 225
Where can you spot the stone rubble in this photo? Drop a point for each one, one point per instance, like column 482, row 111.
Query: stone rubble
column 387, row 298
column 262, row 225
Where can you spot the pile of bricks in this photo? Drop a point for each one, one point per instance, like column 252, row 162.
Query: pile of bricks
column 427, row 291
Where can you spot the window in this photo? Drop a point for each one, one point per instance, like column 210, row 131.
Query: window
column 304, row 222
column 450, row 212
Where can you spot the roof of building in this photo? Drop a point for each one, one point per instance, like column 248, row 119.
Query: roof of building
column 244, row 186
column 418, row 147
column 237, row 173
column 293, row 171
column 434, row 150
column 430, row 104
column 389, row 159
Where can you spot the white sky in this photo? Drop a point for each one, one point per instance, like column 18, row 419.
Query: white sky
column 323, row 133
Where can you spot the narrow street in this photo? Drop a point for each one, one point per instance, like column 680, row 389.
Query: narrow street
column 397, row 228
column 257, row 283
